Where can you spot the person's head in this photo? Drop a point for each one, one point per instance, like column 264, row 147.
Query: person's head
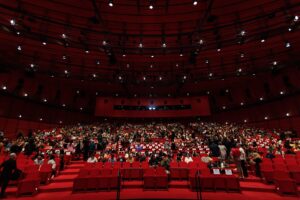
column 13, row 156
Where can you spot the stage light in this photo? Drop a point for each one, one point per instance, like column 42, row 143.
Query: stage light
column 81, row 108
column 226, row 90
column 120, row 77
column 290, row 29
column 94, row 75
column 152, row 56
column 201, row 41
column 127, row 65
column 18, row 32
column 150, row 108
column 144, row 78
column 242, row 55
column 206, row 61
column 187, row 94
column 12, row 22
column 66, row 72
column 140, row 45
column 97, row 62
column 60, row 122
column 184, row 77
column 151, row 66
column 181, row 55
column 19, row 48
column 195, row 2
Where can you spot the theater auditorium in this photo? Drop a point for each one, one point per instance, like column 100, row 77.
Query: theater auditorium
column 150, row 99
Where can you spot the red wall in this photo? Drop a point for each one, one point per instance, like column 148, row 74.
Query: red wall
column 199, row 107
column 12, row 127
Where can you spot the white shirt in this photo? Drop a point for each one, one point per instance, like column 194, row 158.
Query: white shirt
column 243, row 154
column 188, row 159
column 92, row 160
column 53, row 163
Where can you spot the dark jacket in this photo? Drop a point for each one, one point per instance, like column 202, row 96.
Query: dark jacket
column 8, row 167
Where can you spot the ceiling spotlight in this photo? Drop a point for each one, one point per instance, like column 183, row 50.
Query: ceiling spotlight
column 239, row 70
column 245, row 121
column 195, row 2
column 290, row 29
column 275, row 63
column 224, row 107
column 32, row 65
column 181, row 55
column 87, row 51
column 210, row 74
column 41, row 119
column 262, row 40
column 98, row 62
column 287, row 44
column 63, row 105
column 206, row 61
column 66, row 72
column 12, row 22
column 19, row 48
column 94, row 75
column 120, row 77
column 25, row 94
column 160, row 78
column 164, row 45
column 104, row 42
column 18, row 33
column 140, row 45
column 124, row 55
column 243, row 33
column 287, row 114
column 219, row 50
column 261, row 98
column 151, row 66
column 152, row 56
column 80, row 108
column 45, row 100
column 184, row 77
column 4, row 87
column 296, row 18
column 201, row 41
column 281, row 92
column 20, row 116
column 151, row 7
column 242, row 55
column 64, row 36
column 242, row 103
column 266, row 117
column 144, row 78
column 110, row 3
column 44, row 43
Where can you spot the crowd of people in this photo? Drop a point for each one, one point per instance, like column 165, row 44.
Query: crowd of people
column 156, row 143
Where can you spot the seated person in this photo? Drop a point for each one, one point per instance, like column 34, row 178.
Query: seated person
column 92, row 159
column 52, row 162
column 188, row 158
column 39, row 160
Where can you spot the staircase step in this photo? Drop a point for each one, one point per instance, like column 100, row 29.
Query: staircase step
column 65, row 178
column 57, row 186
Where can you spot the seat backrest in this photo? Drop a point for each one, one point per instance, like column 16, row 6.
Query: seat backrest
column 136, row 165
column 145, row 165
column 149, row 171
column 281, row 175
column 293, row 167
column 83, row 172
column 94, row 172
column 126, row 165
column 117, row 165
column 160, row 171
column 183, row 164
column 173, row 164
column 279, row 166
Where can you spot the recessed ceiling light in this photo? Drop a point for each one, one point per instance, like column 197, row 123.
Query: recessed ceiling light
column 124, row 55
column 140, row 45
column 160, row 78
column 266, row 117
column 151, row 7
column 201, row 41
column 110, row 3
column 195, row 2
column 296, row 18
column 4, row 87
column 281, row 92
column 25, row 94
column 87, row 51
column 19, row 48
column 287, row 44
column 287, row 114
column 20, row 116
column 219, row 49
column 275, row 63
column 44, row 43
column 64, row 36
column 41, row 119
column 262, row 40
column 12, row 22
column 181, row 55
column 261, row 98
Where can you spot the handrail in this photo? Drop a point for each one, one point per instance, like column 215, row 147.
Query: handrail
column 198, row 185
column 119, row 186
